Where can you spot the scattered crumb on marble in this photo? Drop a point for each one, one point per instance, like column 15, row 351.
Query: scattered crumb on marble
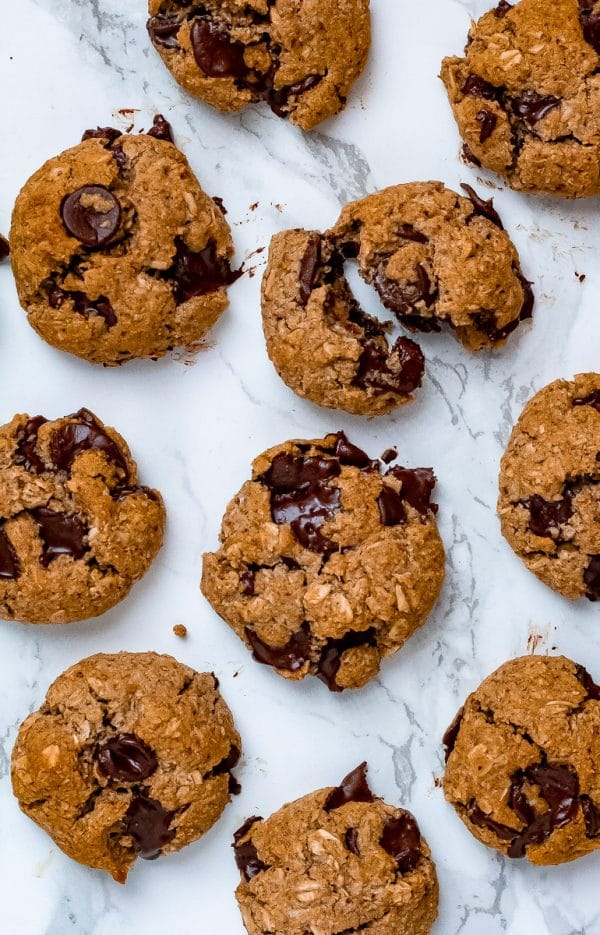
column 180, row 630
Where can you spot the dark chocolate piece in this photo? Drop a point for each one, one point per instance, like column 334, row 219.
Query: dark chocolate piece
column 246, row 855
column 125, row 757
column 91, row 214
column 161, row 130
column 331, row 656
column 198, row 273
column 449, row 739
column 401, row 839
column 27, row 455
column 290, row 657
column 353, row 788
column 532, row 107
column 163, row 30
column 351, row 841
column 547, row 517
column 61, row 534
column 487, row 122
column 215, row 52
column 484, row 208
column 147, row 824
column 84, row 434
column 9, row 563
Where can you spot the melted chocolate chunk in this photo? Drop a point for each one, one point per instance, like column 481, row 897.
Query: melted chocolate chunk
column 310, row 266
column 353, row 788
column 85, row 434
column 487, row 122
column 331, row 656
column 591, row 816
column 403, row 297
column 593, row 690
column 593, row 399
column 101, row 133
column 163, row 30
column 548, row 516
column 389, row 455
column 590, row 22
column 61, row 534
column 449, row 739
column 161, row 130
column 4, row 248
column 279, row 99
column 470, row 157
column 391, row 508
column 199, row 273
column 408, row 232
column 248, row 581
column 246, row 855
column 484, row 208
column 26, row 454
column 417, row 487
column 91, row 214
column 591, row 578
column 528, row 297
column 532, row 107
column 479, row 818
column 502, row 9
column 301, row 496
column 9, row 563
column 125, row 757
column 228, row 762
column 475, row 86
column 290, row 657
column 350, row 454
column 351, row 841
column 402, row 841
column 81, row 304
column 215, row 52
column 219, row 203
column 147, row 824
column 399, row 370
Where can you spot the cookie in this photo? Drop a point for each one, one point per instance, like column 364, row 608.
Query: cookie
column 301, row 58
column 337, row 860
column 433, row 257
column 526, row 96
column 328, row 560
column 76, row 529
column 549, row 503
column 116, row 250
column 129, row 756
column 523, row 761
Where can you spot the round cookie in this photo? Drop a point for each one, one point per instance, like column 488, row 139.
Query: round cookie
column 523, row 760
column 526, row 96
column 328, row 561
column 434, row 257
column 116, row 250
column 302, row 58
column 549, row 503
column 76, row 529
column 337, row 860
column 129, row 756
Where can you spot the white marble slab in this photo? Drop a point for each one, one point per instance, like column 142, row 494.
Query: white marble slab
column 70, row 64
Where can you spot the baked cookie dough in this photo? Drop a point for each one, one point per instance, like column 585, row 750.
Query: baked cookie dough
column 328, row 561
column 76, row 529
column 116, row 250
column 336, row 861
column 523, row 760
column 526, row 96
column 129, row 756
column 434, row 257
column 549, row 502
column 302, row 58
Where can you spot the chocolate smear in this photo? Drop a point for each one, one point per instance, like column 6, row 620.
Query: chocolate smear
column 290, row 658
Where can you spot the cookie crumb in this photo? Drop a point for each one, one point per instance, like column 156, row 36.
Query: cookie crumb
column 581, row 277
column 180, row 630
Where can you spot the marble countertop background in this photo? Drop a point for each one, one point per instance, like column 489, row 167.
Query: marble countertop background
column 194, row 425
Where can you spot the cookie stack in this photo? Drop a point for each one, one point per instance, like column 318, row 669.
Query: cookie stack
column 329, row 557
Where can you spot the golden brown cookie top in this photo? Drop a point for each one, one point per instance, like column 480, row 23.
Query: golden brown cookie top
column 523, row 760
column 336, row 860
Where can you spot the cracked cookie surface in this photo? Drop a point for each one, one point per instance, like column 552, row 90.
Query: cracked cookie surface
column 523, row 760
column 116, row 250
column 526, row 96
column 76, row 528
column 129, row 756
column 300, row 57
column 336, row 861
column 549, row 504
column 434, row 258
column 328, row 560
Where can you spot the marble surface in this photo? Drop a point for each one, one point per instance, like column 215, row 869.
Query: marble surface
column 195, row 424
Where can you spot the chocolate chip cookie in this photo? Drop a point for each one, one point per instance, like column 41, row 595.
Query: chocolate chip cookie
column 549, row 502
column 526, row 96
column 116, row 250
column 76, row 529
column 328, row 561
column 433, row 257
column 301, row 58
column 523, row 760
column 130, row 755
column 337, row 860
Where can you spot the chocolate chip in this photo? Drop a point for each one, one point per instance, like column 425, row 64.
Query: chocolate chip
column 548, row 516
column 391, row 508
column 593, row 399
column 290, row 657
column 248, row 581
column 528, row 297
column 408, row 232
column 475, row 86
column 163, row 30
column 233, row 786
column 402, row 841
column 449, row 739
column 351, row 841
column 92, row 214
column 81, row 304
column 26, row 455
column 484, row 208
column 246, row 855
column 591, row 817
column 309, row 267
column 219, row 203
column 61, row 534
column 101, row 133
column 389, row 455
column 417, row 487
column 161, row 130
column 470, row 157
column 120, row 493
column 228, row 762
column 84, row 433
column 9, row 563
column 502, row 9
column 403, row 297
column 147, row 824
column 591, row 578
column 215, row 52
column 199, row 273
column 371, row 326
column 4, row 248
column 331, row 656
column 590, row 22
column 125, row 757
column 531, row 106
column 279, row 99
column 353, row 788
column 399, row 370
column 487, row 122
column 593, row 690
column 350, row 454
